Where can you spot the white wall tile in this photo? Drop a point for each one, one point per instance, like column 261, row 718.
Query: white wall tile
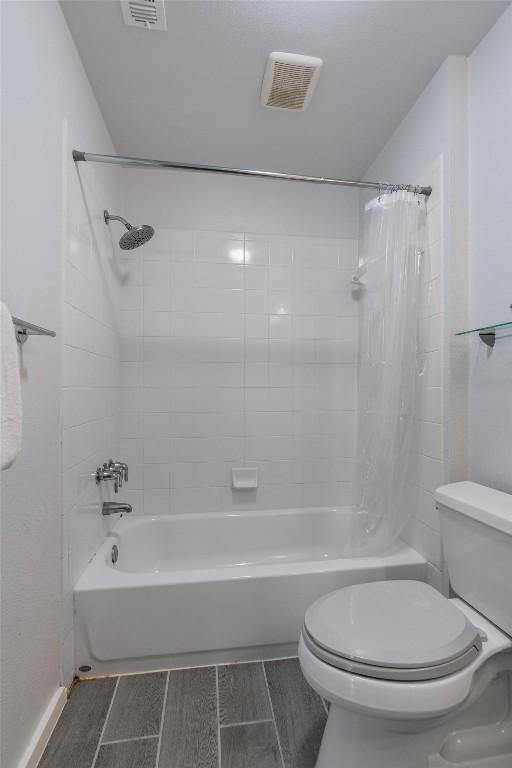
column 156, row 501
column 242, row 338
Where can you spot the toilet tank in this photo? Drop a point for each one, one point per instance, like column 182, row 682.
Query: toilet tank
column 476, row 532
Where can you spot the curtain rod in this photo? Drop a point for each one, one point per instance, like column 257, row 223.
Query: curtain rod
column 138, row 162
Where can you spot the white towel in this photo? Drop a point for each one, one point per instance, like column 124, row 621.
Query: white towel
column 10, row 391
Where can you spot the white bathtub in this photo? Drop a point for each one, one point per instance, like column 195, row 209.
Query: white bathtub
column 209, row 588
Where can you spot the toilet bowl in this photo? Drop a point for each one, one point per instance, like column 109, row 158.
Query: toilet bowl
column 387, row 697
column 402, row 666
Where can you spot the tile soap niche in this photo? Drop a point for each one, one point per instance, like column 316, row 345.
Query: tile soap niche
column 244, row 478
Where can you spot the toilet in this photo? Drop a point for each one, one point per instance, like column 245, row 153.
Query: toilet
column 404, row 667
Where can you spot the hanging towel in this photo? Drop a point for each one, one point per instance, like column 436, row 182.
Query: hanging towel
column 10, row 391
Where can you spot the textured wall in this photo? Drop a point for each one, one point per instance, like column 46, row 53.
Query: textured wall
column 490, row 161
column 44, row 91
column 181, row 200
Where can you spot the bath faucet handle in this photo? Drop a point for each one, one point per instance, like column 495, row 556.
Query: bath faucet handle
column 118, row 477
column 112, row 470
column 121, row 467
column 102, row 473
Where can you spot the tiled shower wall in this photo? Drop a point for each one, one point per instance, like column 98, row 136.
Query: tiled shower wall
column 238, row 350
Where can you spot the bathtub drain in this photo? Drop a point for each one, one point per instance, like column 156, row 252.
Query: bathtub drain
column 115, row 553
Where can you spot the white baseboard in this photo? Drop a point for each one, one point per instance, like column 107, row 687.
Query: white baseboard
column 44, row 730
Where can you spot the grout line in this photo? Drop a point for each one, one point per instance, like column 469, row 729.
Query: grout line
column 190, row 666
column 164, row 703
column 88, row 352
column 273, row 715
column 247, row 722
column 258, row 661
column 143, row 414
column 100, row 740
column 219, row 753
column 88, row 314
column 244, row 347
column 133, row 738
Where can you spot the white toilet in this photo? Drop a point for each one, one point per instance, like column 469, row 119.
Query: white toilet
column 403, row 667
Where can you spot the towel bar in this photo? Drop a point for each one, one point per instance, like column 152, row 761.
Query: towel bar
column 23, row 330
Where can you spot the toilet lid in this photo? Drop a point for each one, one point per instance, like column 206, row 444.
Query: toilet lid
column 391, row 625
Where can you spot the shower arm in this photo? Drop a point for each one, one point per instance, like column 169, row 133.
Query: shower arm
column 109, row 217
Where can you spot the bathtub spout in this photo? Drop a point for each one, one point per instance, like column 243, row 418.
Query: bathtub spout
column 113, row 507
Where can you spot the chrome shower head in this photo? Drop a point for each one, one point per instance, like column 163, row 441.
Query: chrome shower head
column 134, row 236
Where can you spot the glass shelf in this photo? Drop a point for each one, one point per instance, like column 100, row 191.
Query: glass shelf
column 487, row 332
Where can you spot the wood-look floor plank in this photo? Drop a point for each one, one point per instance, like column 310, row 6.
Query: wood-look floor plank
column 189, row 734
column 299, row 713
column 140, row 753
column 137, row 707
column 243, row 694
column 75, row 738
column 250, row 746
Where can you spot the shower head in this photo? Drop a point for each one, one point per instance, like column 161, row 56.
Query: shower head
column 134, row 236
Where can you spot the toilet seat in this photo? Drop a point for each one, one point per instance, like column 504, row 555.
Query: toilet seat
column 406, row 700
column 392, row 630
column 391, row 673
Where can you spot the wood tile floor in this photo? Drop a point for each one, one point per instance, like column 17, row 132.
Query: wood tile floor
column 253, row 715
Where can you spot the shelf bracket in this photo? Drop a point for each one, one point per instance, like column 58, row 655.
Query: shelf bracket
column 23, row 330
column 488, row 337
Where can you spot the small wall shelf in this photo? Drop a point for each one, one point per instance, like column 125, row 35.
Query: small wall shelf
column 488, row 332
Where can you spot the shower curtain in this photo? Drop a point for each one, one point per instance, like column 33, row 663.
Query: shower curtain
column 392, row 269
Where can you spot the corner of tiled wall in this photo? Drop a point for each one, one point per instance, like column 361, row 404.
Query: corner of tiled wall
column 90, row 377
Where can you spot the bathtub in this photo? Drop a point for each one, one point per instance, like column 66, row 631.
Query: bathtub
column 212, row 588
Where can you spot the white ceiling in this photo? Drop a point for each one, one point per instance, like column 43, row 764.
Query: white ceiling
column 192, row 93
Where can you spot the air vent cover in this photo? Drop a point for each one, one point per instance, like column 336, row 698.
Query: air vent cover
column 149, row 14
column 290, row 80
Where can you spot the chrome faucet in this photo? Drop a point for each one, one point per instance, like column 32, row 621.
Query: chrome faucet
column 106, row 473
column 112, row 470
column 113, row 507
column 121, row 468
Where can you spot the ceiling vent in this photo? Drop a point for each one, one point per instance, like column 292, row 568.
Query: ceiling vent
column 290, row 80
column 149, row 14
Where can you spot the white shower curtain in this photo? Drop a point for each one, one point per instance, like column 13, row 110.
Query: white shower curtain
column 392, row 266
